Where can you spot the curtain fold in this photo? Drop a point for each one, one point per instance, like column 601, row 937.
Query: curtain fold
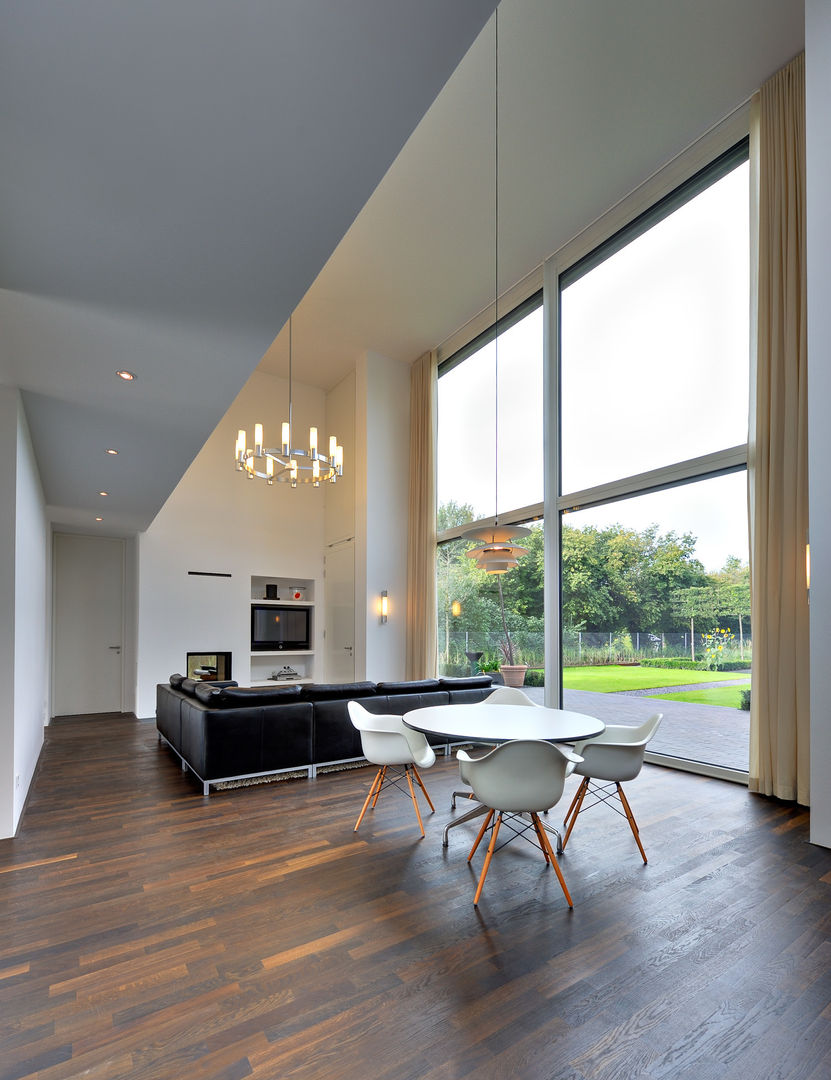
column 778, row 452
column 421, row 549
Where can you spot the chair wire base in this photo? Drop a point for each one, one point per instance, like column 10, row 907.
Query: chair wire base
column 394, row 776
column 509, row 819
column 606, row 794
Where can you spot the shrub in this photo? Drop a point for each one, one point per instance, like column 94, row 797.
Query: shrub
column 534, row 677
column 682, row 663
column 745, row 702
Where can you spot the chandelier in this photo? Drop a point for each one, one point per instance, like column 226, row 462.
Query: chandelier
column 497, row 554
column 288, row 464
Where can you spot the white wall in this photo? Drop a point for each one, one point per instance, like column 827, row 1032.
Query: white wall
column 217, row 520
column 8, row 499
column 340, row 497
column 24, row 555
column 818, row 99
column 383, row 426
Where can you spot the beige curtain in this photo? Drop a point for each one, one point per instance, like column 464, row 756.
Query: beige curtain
column 421, row 550
column 779, row 716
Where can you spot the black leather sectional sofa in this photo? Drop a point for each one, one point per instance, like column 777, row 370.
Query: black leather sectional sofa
column 222, row 731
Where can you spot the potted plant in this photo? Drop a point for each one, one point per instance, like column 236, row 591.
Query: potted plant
column 512, row 670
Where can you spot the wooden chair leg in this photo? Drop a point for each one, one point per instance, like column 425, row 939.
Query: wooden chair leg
column 417, row 775
column 630, row 817
column 374, row 790
column 488, row 857
column 382, row 775
column 539, row 830
column 553, row 861
column 480, row 834
column 574, row 810
column 407, row 773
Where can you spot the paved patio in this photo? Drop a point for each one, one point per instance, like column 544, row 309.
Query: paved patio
column 706, row 733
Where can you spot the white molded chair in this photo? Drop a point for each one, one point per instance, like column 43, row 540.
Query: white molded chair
column 501, row 695
column 516, row 778
column 509, row 695
column 397, row 750
column 612, row 757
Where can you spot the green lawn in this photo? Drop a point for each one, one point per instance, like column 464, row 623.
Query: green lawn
column 728, row 696
column 607, row 678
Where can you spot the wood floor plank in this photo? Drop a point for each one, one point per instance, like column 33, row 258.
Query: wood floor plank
column 148, row 933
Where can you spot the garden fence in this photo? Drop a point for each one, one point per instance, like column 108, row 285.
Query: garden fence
column 464, row 651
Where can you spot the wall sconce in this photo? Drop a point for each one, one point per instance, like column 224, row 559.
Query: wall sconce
column 385, row 606
column 455, row 609
column 808, row 569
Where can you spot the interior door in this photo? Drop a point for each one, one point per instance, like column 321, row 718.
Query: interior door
column 340, row 613
column 88, row 607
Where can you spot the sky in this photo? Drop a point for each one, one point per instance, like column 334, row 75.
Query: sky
column 654, row 370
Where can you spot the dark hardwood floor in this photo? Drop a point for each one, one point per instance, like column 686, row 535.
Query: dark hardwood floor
column 148, row 932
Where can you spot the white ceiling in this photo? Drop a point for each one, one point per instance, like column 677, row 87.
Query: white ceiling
column 177, row 175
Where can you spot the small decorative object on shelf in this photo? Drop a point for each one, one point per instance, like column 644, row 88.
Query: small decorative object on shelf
column 284, row 673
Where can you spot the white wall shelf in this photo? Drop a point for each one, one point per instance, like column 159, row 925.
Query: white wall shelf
column 266, row 662
column 283, row 652
column 286, row 588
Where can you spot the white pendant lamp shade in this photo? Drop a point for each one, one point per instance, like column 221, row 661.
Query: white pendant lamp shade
column 498, row 553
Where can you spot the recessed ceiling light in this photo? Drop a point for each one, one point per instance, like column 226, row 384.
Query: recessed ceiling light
column 99, row 519
column 103, row 492
column 111, row 451
column 127, row 376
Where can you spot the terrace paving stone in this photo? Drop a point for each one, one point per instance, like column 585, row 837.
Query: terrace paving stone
column 710, row 734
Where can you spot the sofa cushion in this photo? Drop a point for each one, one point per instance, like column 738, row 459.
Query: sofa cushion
column 176, row 681
column 420, row 686
column 234, row 697
column 469, row 682
column 188, row 686
column 337, row 691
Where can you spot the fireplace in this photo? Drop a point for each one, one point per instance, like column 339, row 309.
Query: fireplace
column 209, row 667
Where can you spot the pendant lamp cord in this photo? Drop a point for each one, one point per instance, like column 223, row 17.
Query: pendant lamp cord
column 291, row 440
column 496, row 268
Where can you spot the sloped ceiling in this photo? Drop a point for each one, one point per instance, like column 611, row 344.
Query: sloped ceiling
column 178, row 177
column 175, row 173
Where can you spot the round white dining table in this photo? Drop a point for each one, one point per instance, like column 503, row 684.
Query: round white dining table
column 487, row 723
column 482, row 722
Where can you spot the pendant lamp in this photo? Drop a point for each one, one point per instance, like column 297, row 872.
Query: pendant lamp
column 497, row 554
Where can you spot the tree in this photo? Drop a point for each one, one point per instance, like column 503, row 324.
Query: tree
column 617, row 578
column 698, row 602
column 734, row 579
column 526, row 594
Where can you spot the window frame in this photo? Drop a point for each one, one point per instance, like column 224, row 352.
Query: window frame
column 559, row 274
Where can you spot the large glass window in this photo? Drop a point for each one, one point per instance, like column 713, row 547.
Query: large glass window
column 490, row 412
column 654, row 349
column 654, row 353
column 490, row 461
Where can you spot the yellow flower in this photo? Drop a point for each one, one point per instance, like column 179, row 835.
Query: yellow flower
column 721, row 646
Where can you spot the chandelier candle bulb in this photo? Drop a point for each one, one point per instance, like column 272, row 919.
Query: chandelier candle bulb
column 313, row 443
column 269, row 470
column 333, row 442
column 258, row 440
column 285, row 437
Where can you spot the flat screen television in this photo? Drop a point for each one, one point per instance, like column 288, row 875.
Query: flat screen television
column 274, row 628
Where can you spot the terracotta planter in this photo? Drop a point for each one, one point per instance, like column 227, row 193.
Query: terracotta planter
column 513, row 674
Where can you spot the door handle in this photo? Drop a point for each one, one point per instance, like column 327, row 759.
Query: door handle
column 114, row 647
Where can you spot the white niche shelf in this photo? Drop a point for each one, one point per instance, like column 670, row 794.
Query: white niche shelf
column 285, row 592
